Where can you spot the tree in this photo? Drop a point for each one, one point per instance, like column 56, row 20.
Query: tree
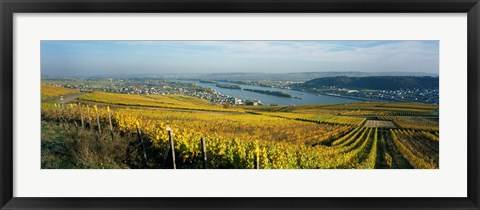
column 226, row 105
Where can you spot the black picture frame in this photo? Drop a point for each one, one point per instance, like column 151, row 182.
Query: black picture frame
column 9, row 7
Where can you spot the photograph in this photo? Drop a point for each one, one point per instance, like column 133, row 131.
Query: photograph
column 239, row 104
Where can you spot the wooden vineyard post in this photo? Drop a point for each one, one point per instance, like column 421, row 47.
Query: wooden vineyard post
column 140, row 137
column 89, row 118
column 66, row 109
column 64, row 112
column 63, row 115
column 98, row 119
column 110, row 120
column 172, row 146
column 57, row 113
column 80, row 108
column 204, row 153
column 72, row 110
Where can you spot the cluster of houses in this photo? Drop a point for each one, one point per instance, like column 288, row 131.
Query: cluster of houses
column 239, row 102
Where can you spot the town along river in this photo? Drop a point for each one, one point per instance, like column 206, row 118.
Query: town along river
column 298, row 97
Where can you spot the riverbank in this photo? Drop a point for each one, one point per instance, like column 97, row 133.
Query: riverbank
column 297, row 97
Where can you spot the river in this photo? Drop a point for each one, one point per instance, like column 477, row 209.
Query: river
column 302, row 97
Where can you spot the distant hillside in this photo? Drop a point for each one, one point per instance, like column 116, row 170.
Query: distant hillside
column 297, row 76
column 303, row 76
column 374, row 83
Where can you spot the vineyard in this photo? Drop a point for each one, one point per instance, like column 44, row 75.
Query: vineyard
column 49, row 91
column 142, row 130
column 168, row 101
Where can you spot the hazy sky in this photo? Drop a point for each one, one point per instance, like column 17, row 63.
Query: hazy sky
column 87, row 58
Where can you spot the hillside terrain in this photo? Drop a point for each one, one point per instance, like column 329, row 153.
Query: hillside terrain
column 373, row 83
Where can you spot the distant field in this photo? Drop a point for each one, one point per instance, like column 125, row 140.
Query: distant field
column 361, row 108
column 161, row 101
column 50, row 91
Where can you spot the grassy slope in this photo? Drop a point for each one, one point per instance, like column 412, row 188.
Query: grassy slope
column 68, row 148
column 50, row 91
column 320, row 112
column 160, row 101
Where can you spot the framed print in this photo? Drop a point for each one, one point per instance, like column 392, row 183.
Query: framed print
column 239, row 105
